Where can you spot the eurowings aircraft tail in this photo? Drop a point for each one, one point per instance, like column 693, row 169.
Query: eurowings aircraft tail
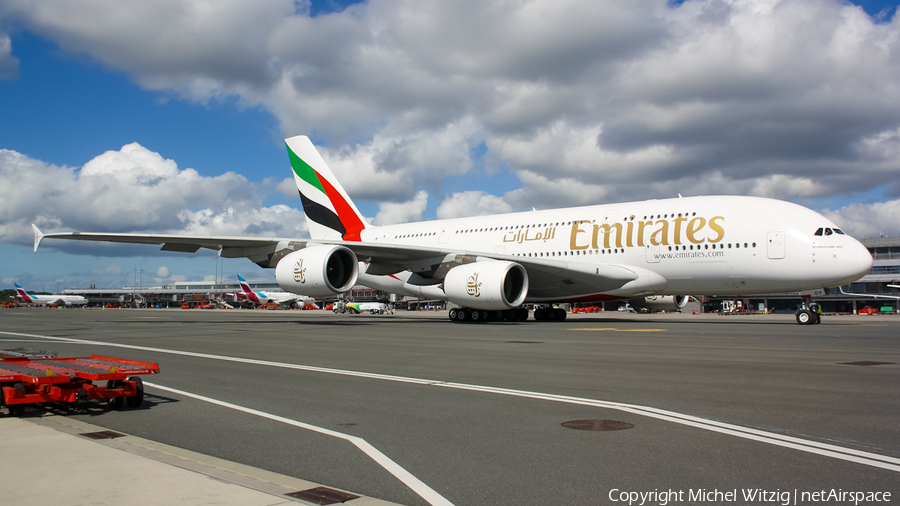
column 244, row 286
column 330, row 214
column 22, row 294
column 246, row 291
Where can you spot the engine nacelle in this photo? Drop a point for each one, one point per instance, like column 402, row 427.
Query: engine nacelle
column 318, row 271
column 660, row 302
column 489, row 285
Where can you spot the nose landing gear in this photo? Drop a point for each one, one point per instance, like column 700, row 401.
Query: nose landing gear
column 809, row 315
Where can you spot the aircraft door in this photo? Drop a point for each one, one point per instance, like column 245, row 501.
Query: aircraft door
column 650, row 250
column 775, row 245
column 445, row 233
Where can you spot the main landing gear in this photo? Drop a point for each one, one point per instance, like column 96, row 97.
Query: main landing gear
column 464, row 314
column 549, row 314
column 519, row 314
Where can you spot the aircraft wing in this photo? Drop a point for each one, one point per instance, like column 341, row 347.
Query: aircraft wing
column 258, row 249
column 547, row 278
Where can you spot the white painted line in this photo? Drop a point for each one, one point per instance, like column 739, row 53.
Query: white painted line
column 383, row 460
column 815, row 447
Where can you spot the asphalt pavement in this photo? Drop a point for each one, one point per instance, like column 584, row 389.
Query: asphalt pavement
column 413, row 409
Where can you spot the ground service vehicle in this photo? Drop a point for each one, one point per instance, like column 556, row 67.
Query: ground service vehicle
column 33, row 380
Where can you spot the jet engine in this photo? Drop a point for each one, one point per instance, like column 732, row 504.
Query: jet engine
column 318, row 271
column 660, row 302
column 489, row 285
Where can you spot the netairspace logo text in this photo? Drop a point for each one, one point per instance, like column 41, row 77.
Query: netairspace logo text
column 746, row 496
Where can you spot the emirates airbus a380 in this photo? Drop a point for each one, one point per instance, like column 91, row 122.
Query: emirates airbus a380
column 652, row 253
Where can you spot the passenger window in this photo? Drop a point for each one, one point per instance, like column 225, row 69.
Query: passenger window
column 819, row 232
column 828, row 231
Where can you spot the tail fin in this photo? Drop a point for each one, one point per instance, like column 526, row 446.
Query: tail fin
column 244, row 286
column 247, row 291
column 22, row 294
column 330, row 213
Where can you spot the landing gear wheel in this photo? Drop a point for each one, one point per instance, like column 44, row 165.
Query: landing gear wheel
column 522, row 314
column 552, row 314
column 539, row 315
column 475, row 315
column 462, row 314
column 560, row 315
column 805, row 317
column 138, row 398
column 115, row 402
column 453, row 313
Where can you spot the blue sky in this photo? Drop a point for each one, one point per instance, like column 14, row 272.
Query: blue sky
column 478, row 122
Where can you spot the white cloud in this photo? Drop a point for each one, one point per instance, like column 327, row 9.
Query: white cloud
column 394, row 168
column 288, row 188
column 112, row 269
column 471, row 203
column 390, row 213
column 9, row 64
column 606, row 99
column 133, row 190
column 164, row 276
column 868, row 220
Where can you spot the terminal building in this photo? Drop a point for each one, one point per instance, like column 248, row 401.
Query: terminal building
column 846, row 299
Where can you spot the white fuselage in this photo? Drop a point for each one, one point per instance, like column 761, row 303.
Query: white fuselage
column 264, row 298
column 59, row 300
column 695, row 245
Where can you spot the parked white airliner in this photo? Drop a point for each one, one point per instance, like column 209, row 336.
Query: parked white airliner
column 48, row 300
column 652, row 253
column 262, row 298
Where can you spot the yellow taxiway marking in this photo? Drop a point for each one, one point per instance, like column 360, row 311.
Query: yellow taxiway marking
column 625, row 330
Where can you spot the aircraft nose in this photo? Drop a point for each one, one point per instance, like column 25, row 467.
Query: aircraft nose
column 858, row 261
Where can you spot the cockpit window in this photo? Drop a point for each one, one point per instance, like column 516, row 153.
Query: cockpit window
column 828, row 231
column 819, row 232
column 839, row 231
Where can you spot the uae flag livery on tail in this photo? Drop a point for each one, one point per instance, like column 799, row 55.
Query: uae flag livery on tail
column 330, row 214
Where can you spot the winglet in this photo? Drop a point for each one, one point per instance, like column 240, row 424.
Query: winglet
column 38, row 235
